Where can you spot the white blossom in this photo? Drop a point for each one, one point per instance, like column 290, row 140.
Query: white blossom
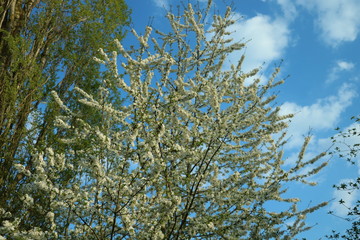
column 193, row 150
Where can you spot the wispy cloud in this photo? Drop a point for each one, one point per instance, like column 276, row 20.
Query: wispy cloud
column 340, row 66
column 166, row 3
column 162, row 3
column 345, row 65
column 338, row 20
column 288, row 8
column 324, row 114
column 268, row 37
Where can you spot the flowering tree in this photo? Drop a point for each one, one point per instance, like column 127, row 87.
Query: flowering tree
column 194, row 152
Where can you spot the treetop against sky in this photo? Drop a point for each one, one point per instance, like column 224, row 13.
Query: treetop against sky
column 318, row 42
column 188, row 130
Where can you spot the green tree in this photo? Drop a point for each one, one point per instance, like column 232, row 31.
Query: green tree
column 349, row 151
column 193, row 152
column 46, row 45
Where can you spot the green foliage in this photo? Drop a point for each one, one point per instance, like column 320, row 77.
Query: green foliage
column 46, row 45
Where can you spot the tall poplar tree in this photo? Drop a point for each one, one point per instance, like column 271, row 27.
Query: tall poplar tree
column 46, row 45
column 193, row 152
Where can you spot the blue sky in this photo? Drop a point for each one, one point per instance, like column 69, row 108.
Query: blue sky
column 319, row 43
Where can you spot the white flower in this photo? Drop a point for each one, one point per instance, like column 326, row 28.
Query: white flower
column 99, row 60
column 28, row 200
column 8, row 226
column 50, row 216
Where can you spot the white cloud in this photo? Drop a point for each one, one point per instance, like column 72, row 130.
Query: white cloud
column 162, row 3
column 339, row 67
column 322, row 115
column 268, row 40
column 345, row 65
column 338, row 20
column 349, row 200
column 166, row 3
column 289, row 9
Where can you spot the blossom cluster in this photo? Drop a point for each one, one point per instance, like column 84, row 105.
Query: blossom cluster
column 193, row 152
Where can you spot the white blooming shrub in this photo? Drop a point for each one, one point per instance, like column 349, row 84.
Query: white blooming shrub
column 194, row 152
